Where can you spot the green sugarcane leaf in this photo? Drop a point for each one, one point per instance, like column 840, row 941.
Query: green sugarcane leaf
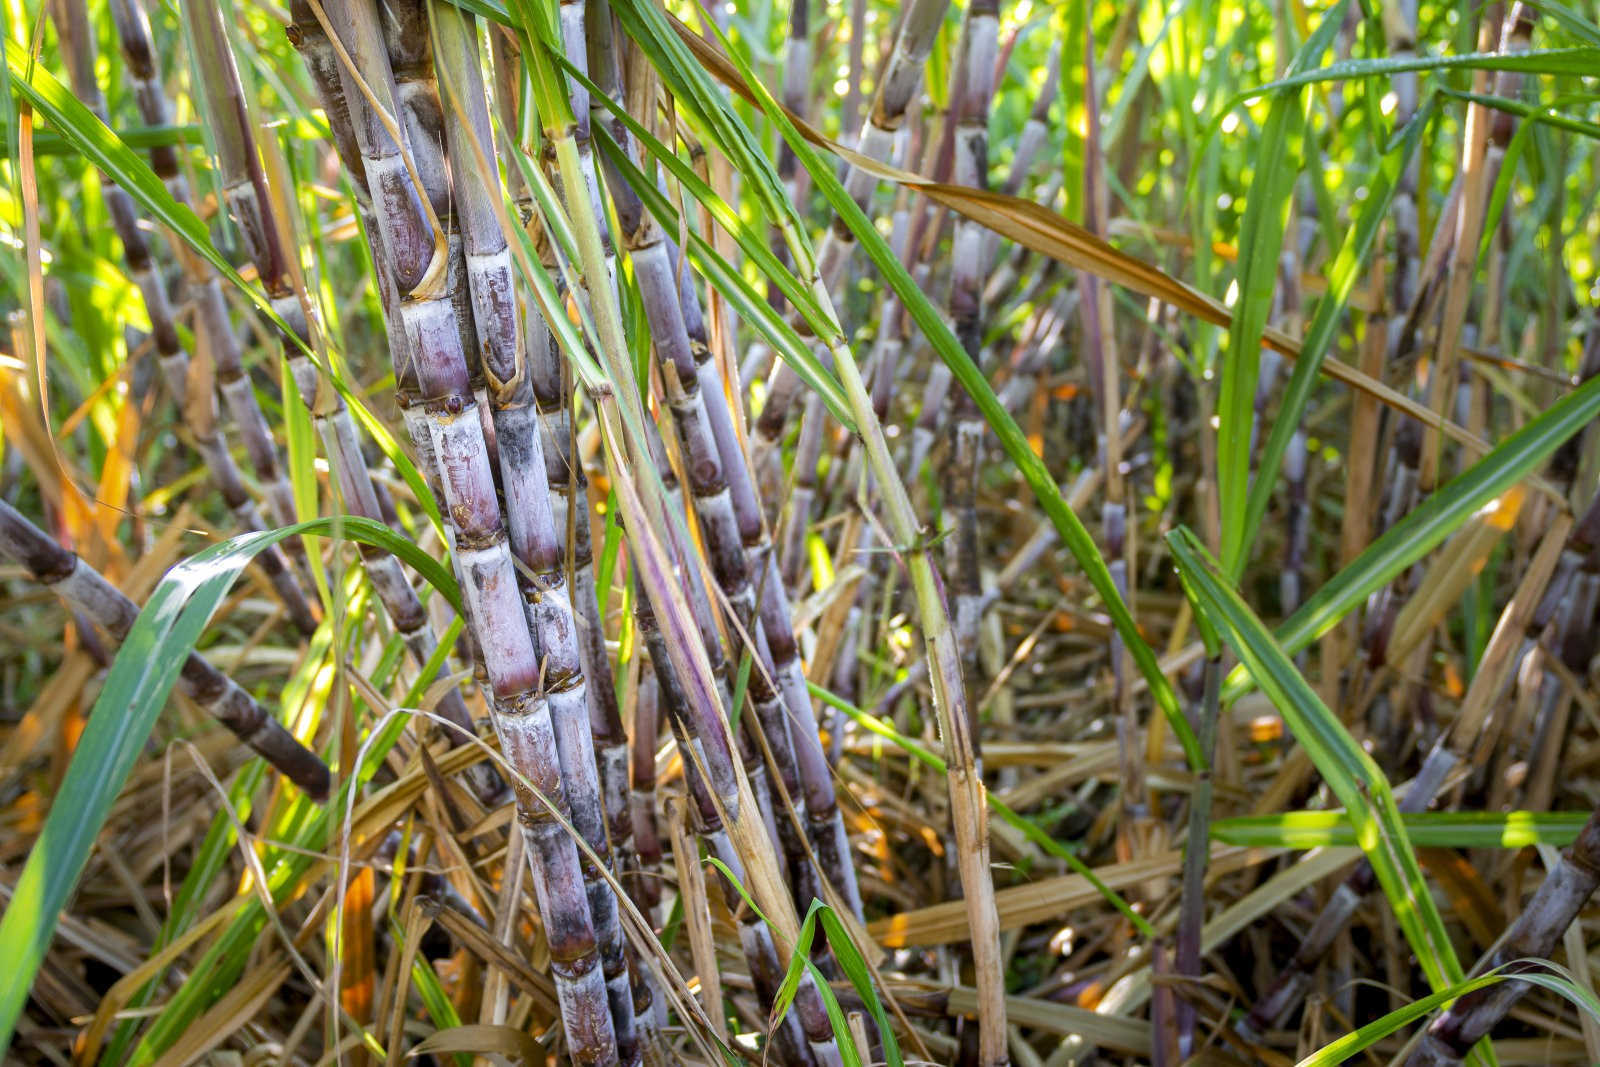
column 493, row 10
column 1574, row 22
column 1347, row 267
column 1555, row 61
column 1266, row 214
column 81, row 129
column 136, row 689
column 377, row 535
column 1501, row 193
column 434, row 999
column 800, row 965
column 1130, row 84
column 1430, row 522
column 220, row 837
column 1012, row 439
column 1533, row 111
column 286, row 867
column 538, row 19
column 1551, row 976
column 854, row 966
column 842, row 1037
column 1447, row 829
column 1373, row 1032
column 1350, row 772
column 783, row 999
column 50, row 143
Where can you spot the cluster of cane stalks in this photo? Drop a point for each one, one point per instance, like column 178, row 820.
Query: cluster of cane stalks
column 720, row 671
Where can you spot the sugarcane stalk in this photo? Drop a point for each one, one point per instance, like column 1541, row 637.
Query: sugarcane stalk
column 707, row 756
column 792, row 556
column 1476, row 181
column 82, row 587
column 967, row 804
column 642, row 505
column 192, row 392
column 888, row 344
column 902, row 75
column 1296, row 525
column 741, row 556
column 1565, row 624
column 412, row 237
column 628, row 803
column 644, row 889
column 966, row 786
column 901, row 78
column 1400, row 31
column 693, row 669
column 797, row 67
column 536, row 540
column 247, row 198
column 1448, row 273
column 1029, row 142
column 133, row 34
column 971, row 111
column 971, row 90
column 1405, row 454
column 407, row 39
column 700, row 763
column 568, row 496
column 691, row 662
column 1192, row 904
column 699, row 605
column 1037, row 128
column 797, row 64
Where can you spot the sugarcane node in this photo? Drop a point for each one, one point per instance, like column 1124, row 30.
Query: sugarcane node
column 926, row 540
column 572, row 954
column 562, row 681
column 49, row 561
column 243, row 206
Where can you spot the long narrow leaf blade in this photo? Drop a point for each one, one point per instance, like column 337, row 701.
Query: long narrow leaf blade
column 136, row 689
column 1347, row 768
column 1260, row 242
column 1430, row 829
column 1430, row 522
